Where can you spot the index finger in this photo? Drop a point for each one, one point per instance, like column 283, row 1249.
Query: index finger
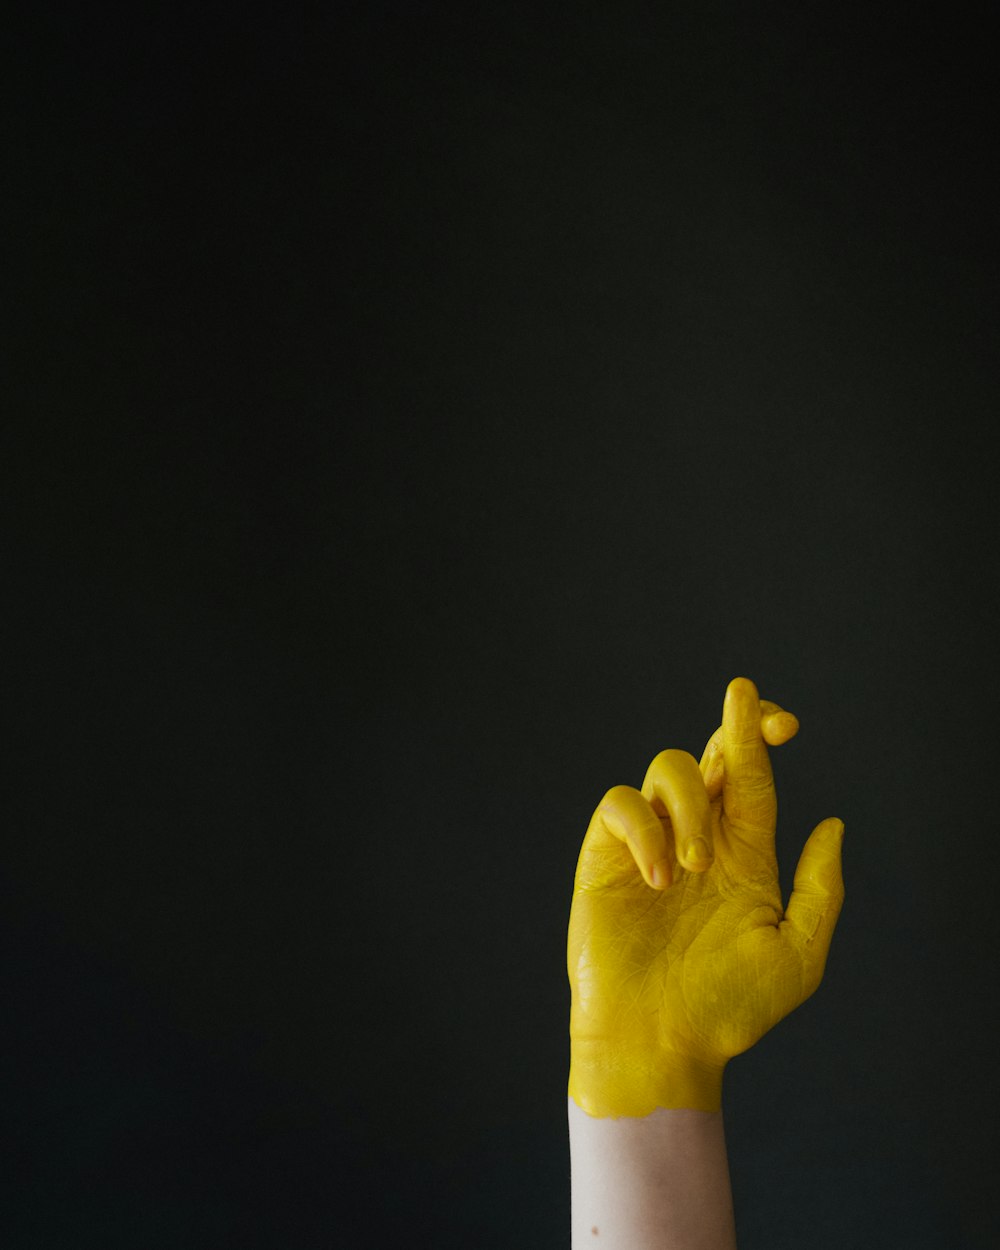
column 748, row 798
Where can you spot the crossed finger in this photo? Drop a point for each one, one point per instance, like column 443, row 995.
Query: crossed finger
column 776, row 725
column 668, row 822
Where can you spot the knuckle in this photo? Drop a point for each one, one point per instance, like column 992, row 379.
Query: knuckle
column 669, row 759
column 618, row 795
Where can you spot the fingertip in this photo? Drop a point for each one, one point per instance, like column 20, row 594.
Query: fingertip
column 741, row 688
column 741, row 704
column 779, row 727
column 660, row 875
column 820, row 864
column 832, row 828
column 698, row 856
column 741, row 718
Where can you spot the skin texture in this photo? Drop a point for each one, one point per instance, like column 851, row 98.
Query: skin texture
column 660, row 1182
column 680, row 953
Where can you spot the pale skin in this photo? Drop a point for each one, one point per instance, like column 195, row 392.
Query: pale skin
column 657, row 1182
column 681, row 955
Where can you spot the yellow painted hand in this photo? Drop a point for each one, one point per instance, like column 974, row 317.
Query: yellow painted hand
column 680, row 954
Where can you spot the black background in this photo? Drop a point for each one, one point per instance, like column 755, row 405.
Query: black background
column 420, row 413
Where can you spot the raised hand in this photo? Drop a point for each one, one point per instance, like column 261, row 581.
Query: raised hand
column 680, row 954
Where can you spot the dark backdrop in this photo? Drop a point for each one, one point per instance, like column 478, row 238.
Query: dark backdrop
column 421, row 412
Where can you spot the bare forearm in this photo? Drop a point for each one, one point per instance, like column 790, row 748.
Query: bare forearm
column 656, row 1182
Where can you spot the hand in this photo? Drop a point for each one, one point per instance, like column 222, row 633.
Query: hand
column 679, row 954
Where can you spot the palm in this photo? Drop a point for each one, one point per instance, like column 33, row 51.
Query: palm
column 692, row 968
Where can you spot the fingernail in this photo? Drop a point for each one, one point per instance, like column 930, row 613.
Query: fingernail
column 660, row 875
column 697, row 852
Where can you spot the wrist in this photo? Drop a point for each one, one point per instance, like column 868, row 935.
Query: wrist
column 607, row 1080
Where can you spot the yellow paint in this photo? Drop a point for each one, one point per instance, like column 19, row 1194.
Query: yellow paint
column 670, row 983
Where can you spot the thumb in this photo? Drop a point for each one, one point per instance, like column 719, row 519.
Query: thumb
column 817, row 897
